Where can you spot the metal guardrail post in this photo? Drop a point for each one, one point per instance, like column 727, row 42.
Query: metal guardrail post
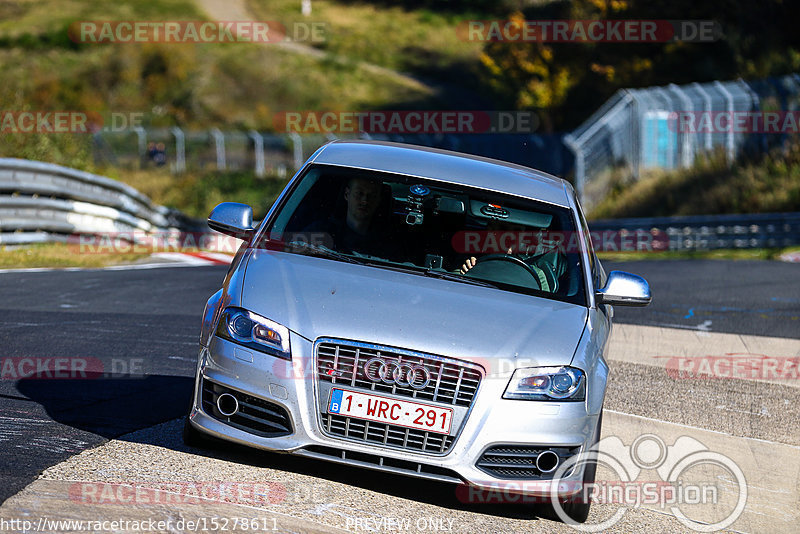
column 219, row 142
column 730, row 148
column 258, row 144
column 180, row 149
column 297, row 149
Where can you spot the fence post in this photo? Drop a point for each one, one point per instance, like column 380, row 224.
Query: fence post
column 580, row 176
column 219, row 141
column 668, row 107
column 297, row 149
column 686, row 145
column 180, row 149
column 756, row 104
column 706, row 109
column 729, row 143
column 258, row 144
column 635, row 135
column 141, row 136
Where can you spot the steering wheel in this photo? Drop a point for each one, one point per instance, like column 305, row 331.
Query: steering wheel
column 511, row 260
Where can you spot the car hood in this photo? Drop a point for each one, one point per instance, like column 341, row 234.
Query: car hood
column 316, row 297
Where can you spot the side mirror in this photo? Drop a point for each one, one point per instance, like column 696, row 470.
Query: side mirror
column 233, row 219
column 624, row 289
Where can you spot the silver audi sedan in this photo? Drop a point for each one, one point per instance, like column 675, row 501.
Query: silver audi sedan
column 416, row 311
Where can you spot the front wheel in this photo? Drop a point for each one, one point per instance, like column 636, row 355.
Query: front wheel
column 577, row 507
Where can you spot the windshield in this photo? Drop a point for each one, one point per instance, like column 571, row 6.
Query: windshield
column 432, row 229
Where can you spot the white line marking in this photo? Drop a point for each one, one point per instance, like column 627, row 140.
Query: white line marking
column 760, row 440
column 131, row 267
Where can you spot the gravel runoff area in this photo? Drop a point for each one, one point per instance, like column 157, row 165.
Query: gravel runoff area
column 296, row 495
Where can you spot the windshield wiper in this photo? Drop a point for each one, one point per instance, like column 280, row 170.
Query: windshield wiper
column 431, row 273
column 324, row 252
column 444, row 275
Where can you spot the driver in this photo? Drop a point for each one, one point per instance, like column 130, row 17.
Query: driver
column 543, row 255
column 361, row 230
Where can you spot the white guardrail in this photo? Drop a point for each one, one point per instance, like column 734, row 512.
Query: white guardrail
column 43, row 202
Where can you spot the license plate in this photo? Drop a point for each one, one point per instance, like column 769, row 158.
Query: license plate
column 392, row 411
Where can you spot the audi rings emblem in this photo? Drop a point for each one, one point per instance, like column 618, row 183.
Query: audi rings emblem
column 400, row 374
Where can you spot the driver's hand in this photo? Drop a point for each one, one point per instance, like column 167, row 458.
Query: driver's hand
column 469, row 264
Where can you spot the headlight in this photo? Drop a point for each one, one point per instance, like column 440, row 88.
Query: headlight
column 547, row 383
column 253, row 331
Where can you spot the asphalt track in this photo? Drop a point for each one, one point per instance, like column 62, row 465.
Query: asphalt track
column 148, row 320
column 740, row 297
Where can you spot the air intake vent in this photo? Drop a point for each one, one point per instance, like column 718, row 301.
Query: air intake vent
column 252, row 415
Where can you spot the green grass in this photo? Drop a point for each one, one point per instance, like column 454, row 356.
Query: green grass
column 414, row 40
column 61, row 255
column 196, row 194
column 227, row 85
column 769, row 184
column 721, row 254
column 33, row 17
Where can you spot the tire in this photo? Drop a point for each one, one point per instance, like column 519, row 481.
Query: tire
column 195, row 438
column 576, row 508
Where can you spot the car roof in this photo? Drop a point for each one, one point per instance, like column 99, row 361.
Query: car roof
column 447, row 166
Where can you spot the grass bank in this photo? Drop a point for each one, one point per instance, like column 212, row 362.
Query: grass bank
column 61, row 255
column 768, row 184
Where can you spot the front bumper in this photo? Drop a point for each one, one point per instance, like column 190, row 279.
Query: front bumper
column 291, row 387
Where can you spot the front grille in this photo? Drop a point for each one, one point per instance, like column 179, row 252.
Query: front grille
column 383, row 463
column 255, row 416
column 451, row 381
column 519, row 461
column 385, row 434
